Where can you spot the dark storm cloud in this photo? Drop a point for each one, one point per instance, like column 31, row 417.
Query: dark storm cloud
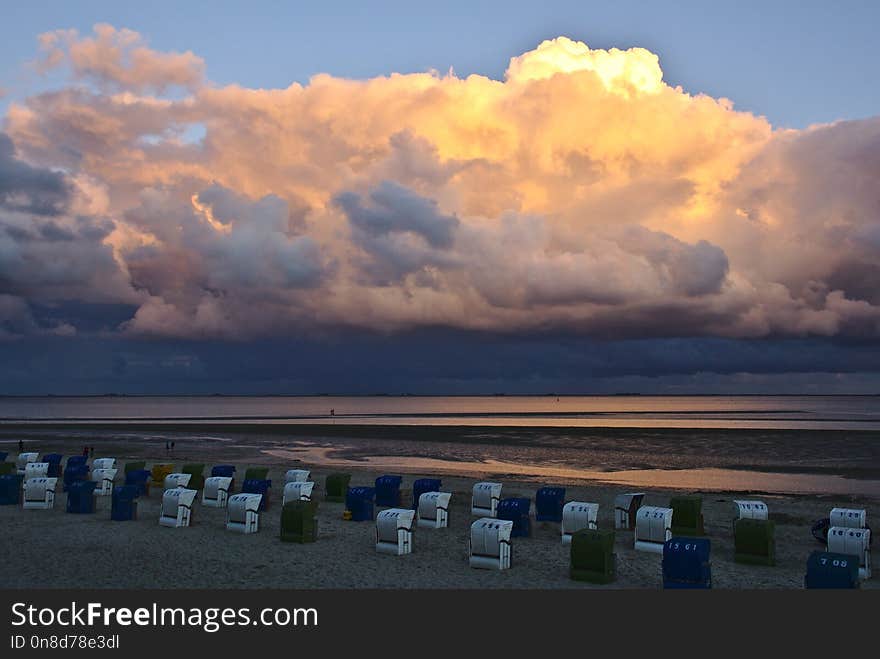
column 29, row 189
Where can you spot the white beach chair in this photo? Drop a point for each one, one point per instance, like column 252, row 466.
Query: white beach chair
column 576, row 516
column 176, row 480
column 854, row 541
column 297, row 491
column 36, row 469
column 490, row 547
column 751, row 509
column 176, row 510
column 39, row 493
column 485, row 498
column 104, row 463
column 851, row 518
column 106, row 479
column 243, row 513
column 297, row 476
column 434, row 510
column 394, row 531
column 653, row 528
column 23, row 459
column 216, row 491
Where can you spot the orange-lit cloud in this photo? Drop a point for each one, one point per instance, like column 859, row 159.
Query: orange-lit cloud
column 581, row 193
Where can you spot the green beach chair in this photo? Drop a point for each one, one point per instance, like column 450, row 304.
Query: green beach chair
column 7, row 468
column 687, row 516
column 256, row 474
column 135, row 466
column 754, row 541
column 159, row 472
column 197, row 472
column 299, row 522
column 336, row 487
column 592, row 556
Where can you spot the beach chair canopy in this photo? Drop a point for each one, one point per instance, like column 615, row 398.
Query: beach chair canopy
column 490, row 546
column 197, row 472
column 54, row 460
column 434, row 510
column 256, row 473
column 830, row 570
column 653, row 528
column 577, row 516
column 592, row 556
column 686, row 563
column 299, row 522
column 23, row 459
column 359, row 502
column 336, row 487
column 227, row 471
column 484, row 499
column 36, row 470
column 136, row 465
column 105, row 478
column 104, row 463
column 297, row 475
column 297, row 491
column 394, row 531
column 853, row 518
column 422, row 485
column 516, row 510
column 139, row 478
column 751, row 509
column 853, row 541
column 549, row 502
column 176, row 479
column 626, row 506
column 388, row 491
column 160, row 472
column 243, row 513
column 76, row 460
column 687, row 516
column 74, row 475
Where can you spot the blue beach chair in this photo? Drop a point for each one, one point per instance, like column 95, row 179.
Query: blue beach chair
column 686, row 563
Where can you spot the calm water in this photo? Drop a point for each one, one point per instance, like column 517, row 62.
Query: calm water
column 793, row 412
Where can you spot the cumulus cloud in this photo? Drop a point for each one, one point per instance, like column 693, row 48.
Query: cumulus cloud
column 581, row 193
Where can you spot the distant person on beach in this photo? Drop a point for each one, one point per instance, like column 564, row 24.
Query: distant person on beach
column 332, row 411
column 20, row 445
column 167, row 446
column 85, row 451
column 172, row 447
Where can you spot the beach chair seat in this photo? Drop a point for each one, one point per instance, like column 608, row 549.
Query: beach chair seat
column 136, row 465
column 81, row 497
column 851, row 518
column 359, row 502
column 24, row 459
column 177, row 505
column 626, row 508
column 297, row 491
column 336, row 487
column 256, row 473
column 549, row 502
column 7, row 468
column 577, row 516
column 11, row 489
column 216, row 491
column 754, row 541
column 159, row 472
column 106, row 479
column 243, row 513
column 422, row 485
column 299, row 522
column 484, row 499
column 104, row 463
column 394, row 531
column 139, row 478
column 36, row 470
column 830, row 570
column 516, row 510
column 592, row 556
column 176, row 479
column 489, row 546
column 258, row 486
column 434, row 510
column 297, row 476
column 123, row 503
column 686, row 563
column 388, row 491
column 653, row 528
column 54, row 459
column 852, row 541
column 75, row 474
column 197, row 473
column 687, row 516
column 39, row 493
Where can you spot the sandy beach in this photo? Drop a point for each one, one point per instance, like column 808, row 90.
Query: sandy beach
column 52, row 549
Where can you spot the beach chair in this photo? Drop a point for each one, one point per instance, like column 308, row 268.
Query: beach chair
column 7, row 468
column 176, row 479
column 36, row 470
column 394, row 531
column 123, row 503
column 197, row 472
column 516, row 510
column 577, row 516
column 653, row 528
column 76, row 461
column 297, row 476
column 754, row 541
column 11, row 489
column 687, row 516
column 299, row 522
column 75, row 474
column 686, row 563
column 422, row 485
column 81, row 497
column 105, row 479
column 851, row 518
column 484, row 499
column 23, row 459
column 104, row 463
column 549, row 502
column 297, row 491
column 54, row 460
column 359, row 503
column 388, row 491
column 336, row 487
column 828, row 570
column 592, row 556
column 626, row 508
column 852, row 541
column 216, row 491
column 258, row 486
column 256, row 473
column 137, row 465
column 39, row 493
column 433, row 510
column 489, row 545
column 176, row 509
column 160, row 472
column 243, row 513
column 139, row 478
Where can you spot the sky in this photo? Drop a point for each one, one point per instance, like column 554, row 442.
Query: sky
column 568, row 197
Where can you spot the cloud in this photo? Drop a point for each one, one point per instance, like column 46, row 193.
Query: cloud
column 581, row 194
